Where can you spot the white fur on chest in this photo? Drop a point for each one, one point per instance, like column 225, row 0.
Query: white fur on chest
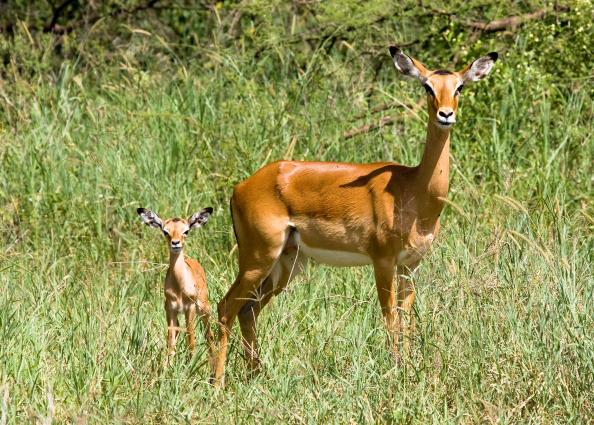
column 180, row 289
column 186, row 283
column 415, row 250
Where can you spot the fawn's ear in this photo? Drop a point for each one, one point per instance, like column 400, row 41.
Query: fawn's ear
column 407, row 65
column 150, row 218
column 479, row 69
column 198, row 219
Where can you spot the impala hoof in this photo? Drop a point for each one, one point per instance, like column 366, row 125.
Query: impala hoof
column 217, row 383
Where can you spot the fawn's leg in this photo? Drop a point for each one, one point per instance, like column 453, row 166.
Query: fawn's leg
column 190, row 313
column 172, row 325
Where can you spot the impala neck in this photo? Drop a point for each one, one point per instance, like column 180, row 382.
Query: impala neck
column 433, row 171
column 177, row 263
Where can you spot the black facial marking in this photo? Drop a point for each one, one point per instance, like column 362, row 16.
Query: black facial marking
column 429, row 90
column 175, row 220
column 443, row 72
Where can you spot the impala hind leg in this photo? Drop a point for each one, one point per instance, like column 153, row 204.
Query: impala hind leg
column 406, row 298
column 254, row 267
column 384, row 283
column 247, row 321
column 206, row 319
column 190, row 314
column 288, row 266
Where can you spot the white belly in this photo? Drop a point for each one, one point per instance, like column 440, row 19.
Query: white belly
column 333, row 258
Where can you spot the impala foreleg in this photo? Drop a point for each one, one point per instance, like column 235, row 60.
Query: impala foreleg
column 384, row 283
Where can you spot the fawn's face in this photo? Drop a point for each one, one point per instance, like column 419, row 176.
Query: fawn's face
column 443, row 87
column 175, row 229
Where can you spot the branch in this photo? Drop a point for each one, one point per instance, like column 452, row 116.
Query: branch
column 53, row 26
column 377, row 109
column 384, row 121
column 502, row 24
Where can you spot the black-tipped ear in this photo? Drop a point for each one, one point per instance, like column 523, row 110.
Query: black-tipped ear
column 407, row 65
column 394, row 50
column 200, row 218
column 494, row 56
column 150, row 218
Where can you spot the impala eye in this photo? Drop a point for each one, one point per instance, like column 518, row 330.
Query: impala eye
column 459, row 90
column 429, row 90
column 166, row 233
column 186, row 232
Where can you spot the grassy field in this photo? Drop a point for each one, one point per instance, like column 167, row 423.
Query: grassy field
column 505, row 306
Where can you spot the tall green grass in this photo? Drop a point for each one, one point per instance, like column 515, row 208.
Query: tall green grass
column 505, row 316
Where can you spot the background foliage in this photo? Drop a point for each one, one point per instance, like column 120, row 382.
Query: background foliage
column 109, row 105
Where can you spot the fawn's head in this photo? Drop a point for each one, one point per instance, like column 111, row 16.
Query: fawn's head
column 443, row 87
column 175, row 229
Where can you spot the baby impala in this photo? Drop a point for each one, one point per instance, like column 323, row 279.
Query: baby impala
column 185, row 282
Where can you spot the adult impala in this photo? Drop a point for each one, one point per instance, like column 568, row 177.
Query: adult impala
column 384, row 214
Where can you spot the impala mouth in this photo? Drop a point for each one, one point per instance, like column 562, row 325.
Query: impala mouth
column 176, row 249
column 445, row 124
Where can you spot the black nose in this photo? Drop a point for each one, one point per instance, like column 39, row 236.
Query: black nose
column 445, row 115
column 175, row 243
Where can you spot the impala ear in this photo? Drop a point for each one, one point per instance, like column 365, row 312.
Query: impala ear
column 200, row 218
column 480, row 68
column 150, row 218
column 407, row 65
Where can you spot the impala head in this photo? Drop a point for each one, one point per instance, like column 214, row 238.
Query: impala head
column 175, row 229
column 443, row 87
